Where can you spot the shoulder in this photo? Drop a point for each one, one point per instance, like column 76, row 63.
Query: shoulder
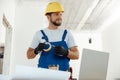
column 38, row 33
column 63, row 30
column 68, row 31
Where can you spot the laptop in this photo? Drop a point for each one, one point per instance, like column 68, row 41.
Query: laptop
column 94, row 65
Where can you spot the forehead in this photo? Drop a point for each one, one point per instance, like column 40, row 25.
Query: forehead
column 57, row 13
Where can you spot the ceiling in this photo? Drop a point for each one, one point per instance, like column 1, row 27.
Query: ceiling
column 87, row 15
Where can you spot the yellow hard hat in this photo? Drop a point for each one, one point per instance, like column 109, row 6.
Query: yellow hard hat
column 54, row 7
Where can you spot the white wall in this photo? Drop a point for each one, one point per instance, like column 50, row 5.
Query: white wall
column 111, row 43
column 7, row 8
column 28, row 20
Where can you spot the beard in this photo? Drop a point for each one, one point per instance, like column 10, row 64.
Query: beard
column 55, row 22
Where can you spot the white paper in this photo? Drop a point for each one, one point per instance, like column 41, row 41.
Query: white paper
column 5, row 77
column 32, row 73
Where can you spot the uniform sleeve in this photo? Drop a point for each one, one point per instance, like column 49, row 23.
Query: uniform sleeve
column 70, row 40
column 35, row 40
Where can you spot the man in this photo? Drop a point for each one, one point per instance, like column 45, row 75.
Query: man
column 56, row 46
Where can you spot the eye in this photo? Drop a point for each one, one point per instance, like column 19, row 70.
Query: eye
column 57, row 14
column 60, row 14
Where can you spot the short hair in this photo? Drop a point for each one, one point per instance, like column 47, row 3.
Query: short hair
column 49, row 14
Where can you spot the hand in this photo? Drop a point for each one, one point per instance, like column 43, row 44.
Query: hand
column 40, row 47
column 60, row 51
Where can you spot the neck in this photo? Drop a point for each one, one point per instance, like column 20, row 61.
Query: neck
column 53, row 27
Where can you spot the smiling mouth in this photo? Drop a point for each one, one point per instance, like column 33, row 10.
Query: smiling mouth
column 59, row 20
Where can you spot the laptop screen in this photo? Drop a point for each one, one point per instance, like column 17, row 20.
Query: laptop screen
column 93, row 65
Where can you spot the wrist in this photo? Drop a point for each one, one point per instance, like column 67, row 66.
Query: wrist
column 67, row 53
column 36, row 51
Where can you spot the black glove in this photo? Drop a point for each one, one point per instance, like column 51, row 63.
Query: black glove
column 40, row 47
column 60, row 51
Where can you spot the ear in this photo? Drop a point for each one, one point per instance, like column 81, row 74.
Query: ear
column 48, row 17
